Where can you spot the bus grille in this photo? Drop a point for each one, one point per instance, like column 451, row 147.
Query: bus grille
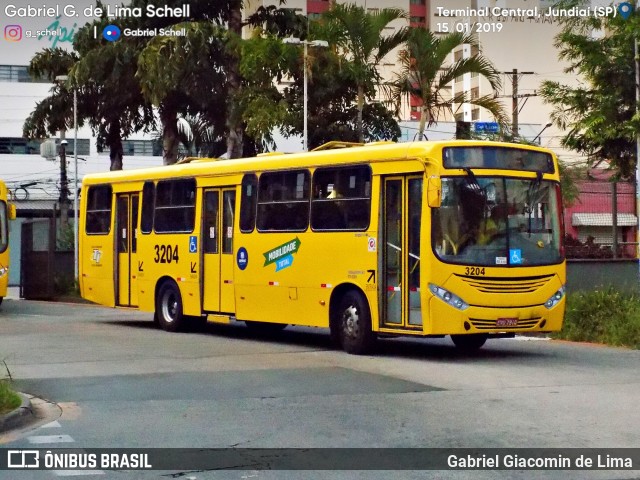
column 482, row 324
column 506, row 285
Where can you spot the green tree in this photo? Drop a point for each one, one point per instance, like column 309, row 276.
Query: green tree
column 332, row 95
column 55, row 112
column 426, row 74
column 599, row 115
column 103, row 74
column 359, row 37
column 214, row 73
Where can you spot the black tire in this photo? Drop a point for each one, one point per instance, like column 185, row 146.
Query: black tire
column 352, row 324
column 265, row 328
column 169, row 307
column 469, row 343
column 1, row 298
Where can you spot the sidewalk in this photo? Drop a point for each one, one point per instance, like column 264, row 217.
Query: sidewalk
column 13, row 293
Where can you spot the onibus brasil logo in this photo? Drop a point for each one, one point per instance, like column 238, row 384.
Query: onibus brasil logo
column 282, row 255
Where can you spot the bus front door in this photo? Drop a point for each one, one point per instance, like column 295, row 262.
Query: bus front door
column 401, row 221
column 217, row 235
column 126, row 247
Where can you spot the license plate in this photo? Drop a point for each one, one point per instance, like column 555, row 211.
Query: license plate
column 507, row 322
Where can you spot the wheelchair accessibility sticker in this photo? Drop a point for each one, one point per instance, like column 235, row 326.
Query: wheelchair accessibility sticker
column 515, row 256
column 282, row 255
column 193, row 244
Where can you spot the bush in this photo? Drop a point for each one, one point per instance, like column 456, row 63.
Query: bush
column 9, row 400
column 602, row 316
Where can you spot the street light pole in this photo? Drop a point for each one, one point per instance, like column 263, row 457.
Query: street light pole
column 305, row 131
column 537, row 136
column 306, row 44
column 75, row 183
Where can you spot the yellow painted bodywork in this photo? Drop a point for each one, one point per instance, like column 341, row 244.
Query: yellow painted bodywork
column 4, row 254
column 301, row 293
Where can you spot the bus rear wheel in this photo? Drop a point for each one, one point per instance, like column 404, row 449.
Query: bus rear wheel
column 469, row 343
column 169, row 307
column 352, row 324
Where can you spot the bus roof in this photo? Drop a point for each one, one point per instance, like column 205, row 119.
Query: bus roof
column 372, row 152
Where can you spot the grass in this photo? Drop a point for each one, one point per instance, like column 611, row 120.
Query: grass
column 9, row 400
column 602, row 316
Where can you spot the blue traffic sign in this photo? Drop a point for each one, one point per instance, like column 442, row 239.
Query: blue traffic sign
column 486, row 127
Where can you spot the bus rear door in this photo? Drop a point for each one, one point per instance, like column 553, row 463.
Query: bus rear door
column 127, row 248
column 218, row 261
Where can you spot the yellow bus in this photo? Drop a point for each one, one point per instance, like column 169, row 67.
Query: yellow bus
column 460, row 238
column 7, row 212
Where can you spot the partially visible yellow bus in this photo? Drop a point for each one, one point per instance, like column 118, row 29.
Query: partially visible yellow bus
column 460, row 238
column 7, row 212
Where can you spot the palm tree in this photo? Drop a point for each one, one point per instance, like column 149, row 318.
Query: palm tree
column 358, row 35
column 425, row 75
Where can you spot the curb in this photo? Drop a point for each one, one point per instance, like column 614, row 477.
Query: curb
column 18, row 416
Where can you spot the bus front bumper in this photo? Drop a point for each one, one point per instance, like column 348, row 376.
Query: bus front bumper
column 447, row 320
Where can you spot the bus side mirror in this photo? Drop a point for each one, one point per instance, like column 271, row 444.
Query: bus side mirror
column 434, row 191
column 12, row 211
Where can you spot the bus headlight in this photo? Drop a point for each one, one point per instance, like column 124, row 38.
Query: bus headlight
column 3, row 271
column 555, row 298
column 448, row 297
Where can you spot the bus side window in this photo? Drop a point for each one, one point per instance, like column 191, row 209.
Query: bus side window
column 175, row 206
column 148, row 202
column 248, row 203
column 342, row 198
column 98, row 219
column 283, row 201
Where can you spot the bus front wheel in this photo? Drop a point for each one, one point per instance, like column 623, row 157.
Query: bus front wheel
column 469, row 343
column 169, row 307
column 352, row 324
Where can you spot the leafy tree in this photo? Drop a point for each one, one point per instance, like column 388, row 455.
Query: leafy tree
column 103, row 72
column 55, row 112
column 332, row 104
column 359, row 37
column 600, row 114
column 425, row 74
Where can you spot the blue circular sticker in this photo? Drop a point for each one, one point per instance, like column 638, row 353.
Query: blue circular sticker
column 242, row 258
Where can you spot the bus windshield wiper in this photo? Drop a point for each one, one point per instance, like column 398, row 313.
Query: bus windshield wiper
column 472, row 181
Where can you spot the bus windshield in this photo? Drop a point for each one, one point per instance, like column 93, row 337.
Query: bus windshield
column 498, row 221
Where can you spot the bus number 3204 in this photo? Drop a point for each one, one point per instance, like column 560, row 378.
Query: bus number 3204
column 166, row 254
column 474, row 271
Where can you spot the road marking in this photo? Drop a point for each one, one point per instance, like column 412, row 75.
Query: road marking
column 77, row 473
column 54, row 424
column 50, row 439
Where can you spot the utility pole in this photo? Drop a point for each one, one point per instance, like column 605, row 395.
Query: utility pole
column 64, row 183
column 514, row 104
column 515, row 98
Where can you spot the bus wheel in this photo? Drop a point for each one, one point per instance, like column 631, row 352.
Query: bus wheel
column 169, row 307
column 265, row 328
column 353, row 323
column 469, row 343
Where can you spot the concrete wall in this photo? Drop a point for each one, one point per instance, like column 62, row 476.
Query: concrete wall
column 588, row 275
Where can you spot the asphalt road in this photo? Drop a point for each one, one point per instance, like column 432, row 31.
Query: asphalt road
column 109, row 379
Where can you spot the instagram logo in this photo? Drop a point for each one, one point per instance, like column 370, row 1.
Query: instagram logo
column 13, row 33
